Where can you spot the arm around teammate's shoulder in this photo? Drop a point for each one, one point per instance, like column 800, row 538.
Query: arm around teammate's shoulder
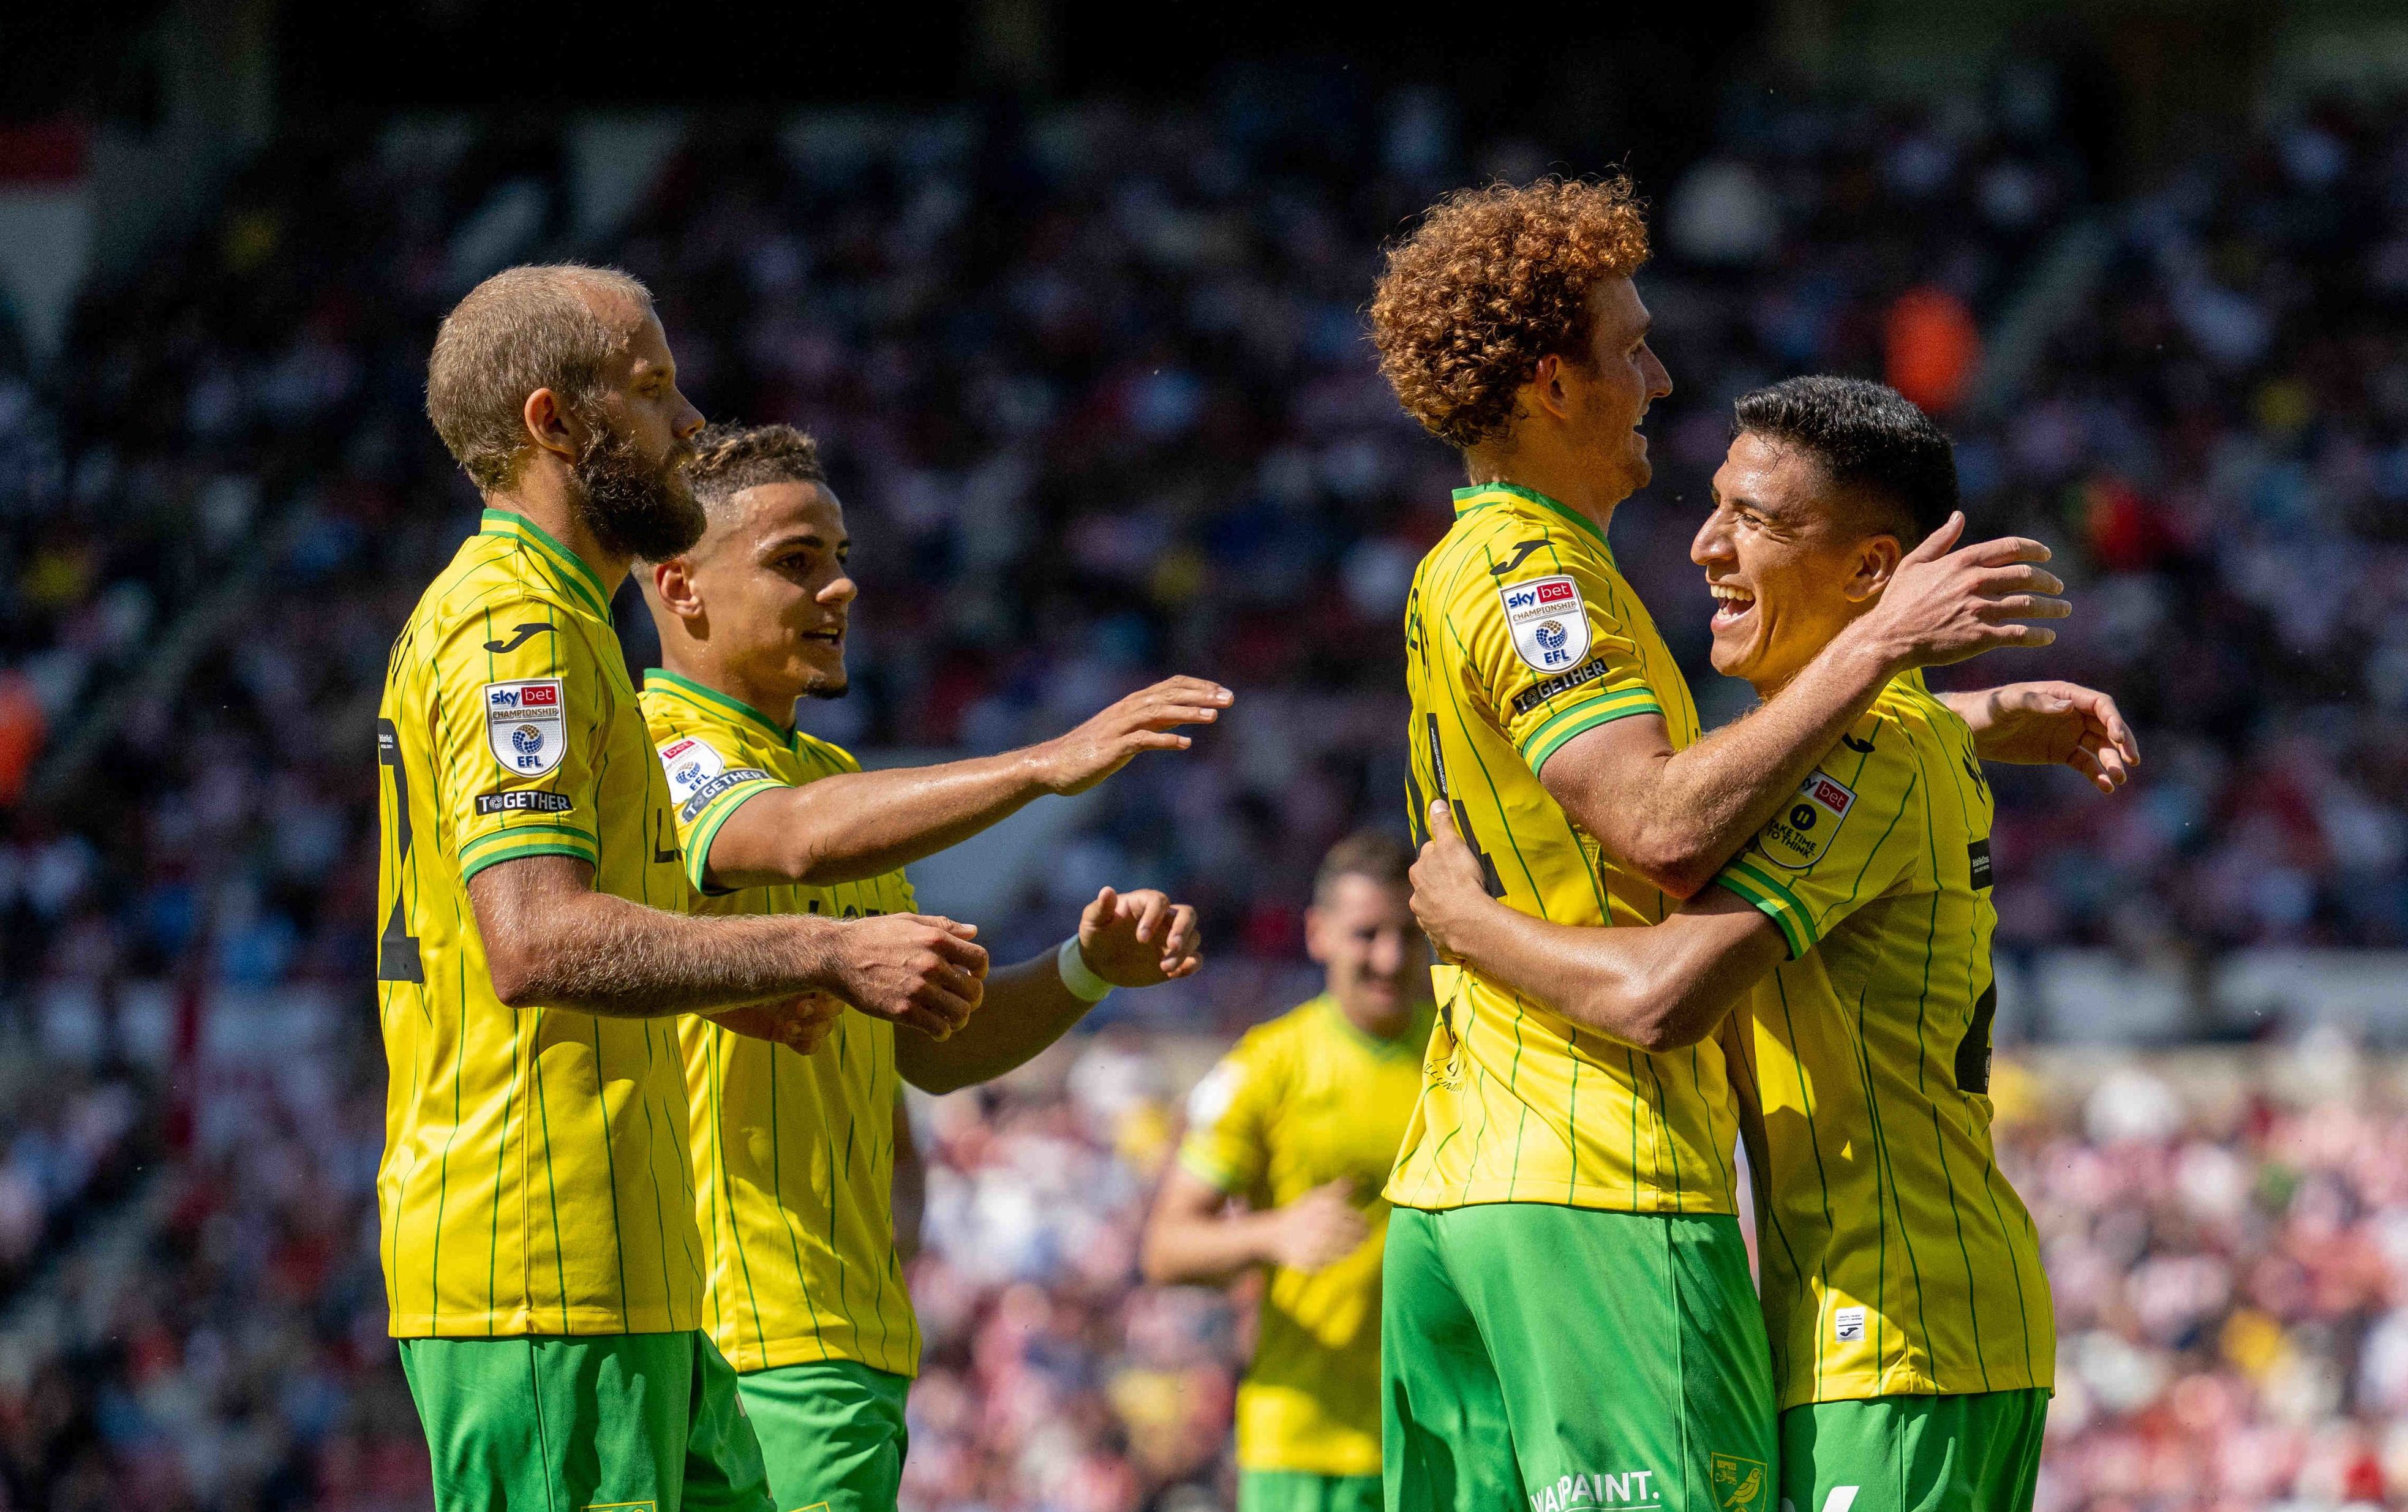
column 1662, row 988
column 861, row 824
column 1676, row 817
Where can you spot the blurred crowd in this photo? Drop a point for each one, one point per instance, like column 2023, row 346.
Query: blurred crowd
column 1096, row 396
column 2225, row 1232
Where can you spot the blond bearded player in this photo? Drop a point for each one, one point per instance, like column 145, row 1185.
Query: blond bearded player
column 794, row 1153
column 542, row 1269
column 1547, row 1160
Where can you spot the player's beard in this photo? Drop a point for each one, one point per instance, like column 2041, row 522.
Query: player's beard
column 632, row 507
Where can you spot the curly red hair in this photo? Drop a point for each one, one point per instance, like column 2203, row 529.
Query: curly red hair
column 1490, row 281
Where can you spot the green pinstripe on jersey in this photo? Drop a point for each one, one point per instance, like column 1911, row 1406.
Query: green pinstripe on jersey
column 792, row 1155
column 1899, row 1261
column 522, row 1147
column 1517, row 1104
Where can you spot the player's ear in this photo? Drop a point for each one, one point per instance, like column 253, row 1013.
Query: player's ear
column 1548, row 390
column 1315, row 949
column 1876, row 561
column 672, row 585
column 552, row 426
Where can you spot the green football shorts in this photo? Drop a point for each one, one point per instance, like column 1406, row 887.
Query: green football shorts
column 831, row 1434
column 633, row 1423
column 1302, row 1490
column 1978, row 1452
column 1545, row 1358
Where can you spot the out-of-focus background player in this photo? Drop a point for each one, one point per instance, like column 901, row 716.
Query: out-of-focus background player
column 1289, row 1140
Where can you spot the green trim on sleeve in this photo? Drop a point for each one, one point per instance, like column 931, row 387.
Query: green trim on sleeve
column 521, row 832
column 1773, row 897
column 1583, row 716
column 469, row 868
column 1203, row 1168
column 706, row 828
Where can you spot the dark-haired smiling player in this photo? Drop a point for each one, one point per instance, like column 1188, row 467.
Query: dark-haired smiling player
column 1911, row 1337
column 1567, row 1319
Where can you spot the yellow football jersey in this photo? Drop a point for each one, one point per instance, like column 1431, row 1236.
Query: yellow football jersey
column 1305, row 1100
column 534, row 1178
column 1520, row 635
column 793, row 1156
column 1895, row 1259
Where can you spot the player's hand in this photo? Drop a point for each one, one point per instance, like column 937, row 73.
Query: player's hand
column 2051, row 724
column 1942, row 605
column 1140, row 939
column 802, row 1025
column 913, row 969
column 1449, row 888
column 1144, row 721
column 1319, row 1229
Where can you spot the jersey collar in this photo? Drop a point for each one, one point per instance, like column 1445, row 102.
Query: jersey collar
column 1481, row 496
column 567, row 570
column 712, row 698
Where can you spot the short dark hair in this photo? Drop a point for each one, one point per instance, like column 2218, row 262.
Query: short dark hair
column 1869, row 438
column 1374, row 854
column 728, row 459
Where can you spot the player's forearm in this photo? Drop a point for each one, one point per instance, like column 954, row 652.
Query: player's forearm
column 1658, row 989
column 604, row 955
column 860, row 825
column 1186, row 1248
column 1026, row 1008
column 1707, row 799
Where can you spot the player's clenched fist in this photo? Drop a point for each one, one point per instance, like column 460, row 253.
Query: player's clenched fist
column 915, row 969
column 1942, row 605
column 1140, row 939
column 1144, row 721
column 802, row 1025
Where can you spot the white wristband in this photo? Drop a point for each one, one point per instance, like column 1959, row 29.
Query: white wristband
column 1076, row 975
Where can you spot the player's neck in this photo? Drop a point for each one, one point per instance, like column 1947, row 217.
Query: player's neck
column 1377, row 1023
column 692, row 660
column 1559, row 473
column 539, row 501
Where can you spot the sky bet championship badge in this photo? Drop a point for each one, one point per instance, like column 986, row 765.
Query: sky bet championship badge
column 1799, row 834
column 689, row 763
column 1550, row 623
column 526, row 724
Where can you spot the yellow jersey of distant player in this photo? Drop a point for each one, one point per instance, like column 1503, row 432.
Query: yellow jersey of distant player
column 793, row 1155
column 1895, row 1258
column 1521, row 634
column 1303, row 1101
column 534, row 1178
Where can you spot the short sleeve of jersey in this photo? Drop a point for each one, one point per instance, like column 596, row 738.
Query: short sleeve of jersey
column 1226, row 1146
column 709, row 779
column 1836, row 844
column 1544, row 645
column 520, row 711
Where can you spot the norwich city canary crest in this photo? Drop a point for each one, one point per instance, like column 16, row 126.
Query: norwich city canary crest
column 1739, row 1485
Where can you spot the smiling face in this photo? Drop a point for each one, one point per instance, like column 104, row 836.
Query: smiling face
column 1363, row 933
column 770, row 591
column 1608, row 396
column 1788, row 558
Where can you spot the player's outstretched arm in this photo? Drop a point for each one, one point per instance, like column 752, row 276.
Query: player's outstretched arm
column 1125, row 939
column 1677, row 816
column 1190, row 1239
column 1660, row 987
column 552, row 941
column 858, row 824
column 2051, row 724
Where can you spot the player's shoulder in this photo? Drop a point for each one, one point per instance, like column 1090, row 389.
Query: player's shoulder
column 826, row 753
column 484, row 595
